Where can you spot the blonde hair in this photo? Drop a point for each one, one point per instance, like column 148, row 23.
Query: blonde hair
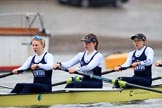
column 40, row 39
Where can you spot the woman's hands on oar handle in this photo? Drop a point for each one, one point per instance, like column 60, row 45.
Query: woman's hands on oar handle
column 72, row 70
column 34, row 66
column 58, row 65
column 133, row 65
column 15, row 71
column 117, row 68
column 158, row 63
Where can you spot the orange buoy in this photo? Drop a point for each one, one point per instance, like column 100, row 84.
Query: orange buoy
column 115, row 59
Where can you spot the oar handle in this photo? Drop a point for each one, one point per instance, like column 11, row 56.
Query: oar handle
column 66, row 70
column 122, row 68
column 8, row 74
column 61, row 68
column 20, row 71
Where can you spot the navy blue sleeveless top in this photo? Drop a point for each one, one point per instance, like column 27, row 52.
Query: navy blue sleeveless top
column 140, row 70
column 40, row 75
column 96, row 70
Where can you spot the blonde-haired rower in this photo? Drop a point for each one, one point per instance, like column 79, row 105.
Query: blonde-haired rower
column 41, row 65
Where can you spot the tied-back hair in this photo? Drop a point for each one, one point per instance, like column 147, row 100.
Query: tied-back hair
column 43, row 43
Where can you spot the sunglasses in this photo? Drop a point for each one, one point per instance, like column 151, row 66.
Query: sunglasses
column 37, row 37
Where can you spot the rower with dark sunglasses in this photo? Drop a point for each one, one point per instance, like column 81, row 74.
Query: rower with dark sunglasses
column 90, row 62
column 41, row 65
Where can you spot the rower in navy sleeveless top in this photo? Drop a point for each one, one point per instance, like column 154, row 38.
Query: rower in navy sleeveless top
column 141, row 60
column 41, row 65
column 90, row 62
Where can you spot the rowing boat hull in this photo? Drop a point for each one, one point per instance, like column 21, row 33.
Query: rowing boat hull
column 77, row 96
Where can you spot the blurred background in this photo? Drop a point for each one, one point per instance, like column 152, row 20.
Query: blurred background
column 112, row 24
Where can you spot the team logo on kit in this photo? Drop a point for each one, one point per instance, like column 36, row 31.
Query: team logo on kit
column 140, row 68
column 39, row 73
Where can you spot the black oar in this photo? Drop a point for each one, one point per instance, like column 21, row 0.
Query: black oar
column 80, row 78
column 121, row 83
column 110, row 71
column 6, row 87
column 156, row 78
column 160, row 65
column 8, row 74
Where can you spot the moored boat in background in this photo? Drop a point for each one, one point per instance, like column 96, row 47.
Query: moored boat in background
column 16, row 40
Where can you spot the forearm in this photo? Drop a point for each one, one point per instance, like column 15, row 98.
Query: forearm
column 71, row 62
column 96, row 62
column 128, row 62
column 49, row 63
column 150, row 56
column 26, row 65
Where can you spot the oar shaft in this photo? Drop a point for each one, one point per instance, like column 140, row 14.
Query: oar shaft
column 6, row 87
column 122, row 68
column 94, row 76
column 5, row 75
column 160, row 65
column 88, row 75
column 156, row 78
column 126, row 83
column 111, row 81
column 143, row 87
column 103, row 73
column 107, row 72
column 8, row 74
column 59, row 83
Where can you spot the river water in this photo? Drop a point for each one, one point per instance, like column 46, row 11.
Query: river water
column 59, row 76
